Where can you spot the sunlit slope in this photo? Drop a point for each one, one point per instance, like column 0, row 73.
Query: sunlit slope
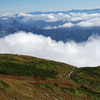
column 30, row 78
column 88, row 78
column 32, row 67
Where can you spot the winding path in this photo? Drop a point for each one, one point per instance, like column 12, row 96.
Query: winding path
column 68, row 76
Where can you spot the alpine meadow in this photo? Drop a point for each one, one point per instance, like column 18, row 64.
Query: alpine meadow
column 50, row 50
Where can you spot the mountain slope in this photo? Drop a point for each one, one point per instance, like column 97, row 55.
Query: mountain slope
column 30, row 78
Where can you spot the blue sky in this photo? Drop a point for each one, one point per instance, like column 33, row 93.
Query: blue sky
column 25, row 6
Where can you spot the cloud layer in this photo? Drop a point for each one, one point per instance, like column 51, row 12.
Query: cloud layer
column 72, row 19
column 77, row 54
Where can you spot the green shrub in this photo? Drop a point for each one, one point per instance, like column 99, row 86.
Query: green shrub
column 5, row 85
column 46, row 85
column 10, row 68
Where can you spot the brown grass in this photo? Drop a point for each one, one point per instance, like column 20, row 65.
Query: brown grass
column 24, row 87
column 21, row 87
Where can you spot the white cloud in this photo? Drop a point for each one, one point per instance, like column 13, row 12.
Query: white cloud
column 66, row 25
column 94, row 15
column 75, row 14
column 86, row 20
column 7, row 15
column 25, row 15
column 45, row 17
column 4, row 18
column 55, row 27
column 85, row 24
column 78, row 54
column 76, row 19
column 90, row 22
column 47, row 27
column 25, row 20
column 51, row 17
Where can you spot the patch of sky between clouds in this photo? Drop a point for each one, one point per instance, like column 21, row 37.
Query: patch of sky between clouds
column 77, row 54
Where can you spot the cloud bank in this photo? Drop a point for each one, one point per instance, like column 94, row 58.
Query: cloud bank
column 72, row 19
column 77, row 54
column 66, row 25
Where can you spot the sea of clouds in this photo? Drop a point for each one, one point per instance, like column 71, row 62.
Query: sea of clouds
column 77, row 54
column 81, row 19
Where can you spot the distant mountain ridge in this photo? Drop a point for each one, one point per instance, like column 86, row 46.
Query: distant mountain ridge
column 89, row 11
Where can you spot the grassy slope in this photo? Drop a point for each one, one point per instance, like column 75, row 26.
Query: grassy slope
column 30, row 78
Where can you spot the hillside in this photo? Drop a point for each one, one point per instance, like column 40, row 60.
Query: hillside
column 31, row 78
